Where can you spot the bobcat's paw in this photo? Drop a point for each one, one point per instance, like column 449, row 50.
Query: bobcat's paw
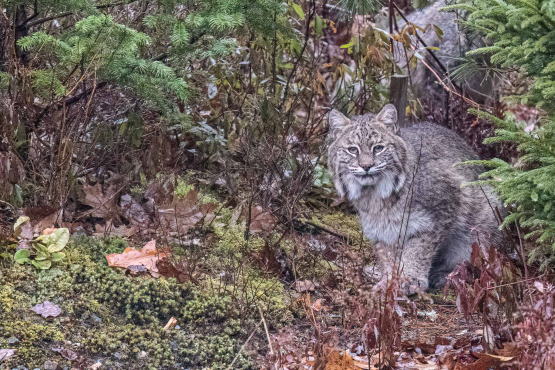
column 413, row 286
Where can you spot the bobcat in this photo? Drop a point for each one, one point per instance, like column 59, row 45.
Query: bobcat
column 408, row 194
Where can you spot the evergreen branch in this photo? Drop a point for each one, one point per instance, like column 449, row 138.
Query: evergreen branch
column 27, row 25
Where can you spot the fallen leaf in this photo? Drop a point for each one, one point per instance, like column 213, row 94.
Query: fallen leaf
column 148, row 257
column 339, row 360
column 47, row 309
column 47, row 222
column 6, row 354
column 484, row 362
column 109, row 229
column 172, row 269
column 66, row 353
column 103, row 203
column 183, row 214
column 261, row 220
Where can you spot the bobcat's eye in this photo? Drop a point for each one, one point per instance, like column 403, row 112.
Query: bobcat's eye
column 378, row 149
column 352, row 149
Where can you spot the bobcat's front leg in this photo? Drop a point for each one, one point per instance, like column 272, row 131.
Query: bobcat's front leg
column 413, row 259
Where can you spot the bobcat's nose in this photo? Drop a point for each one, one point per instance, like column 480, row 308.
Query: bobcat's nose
column 366, row 168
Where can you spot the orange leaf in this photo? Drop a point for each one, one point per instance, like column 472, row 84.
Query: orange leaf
column 148, row 256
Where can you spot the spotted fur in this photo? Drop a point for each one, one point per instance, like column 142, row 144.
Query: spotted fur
column 409, row 194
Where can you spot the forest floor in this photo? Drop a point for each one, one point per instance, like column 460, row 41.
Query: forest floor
column 225, row 295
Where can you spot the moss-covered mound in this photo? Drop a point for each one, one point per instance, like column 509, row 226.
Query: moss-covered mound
column 118, row 320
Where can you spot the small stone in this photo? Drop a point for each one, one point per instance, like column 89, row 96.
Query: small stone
column 117, row 355
column 142, row 354
column 50, row 365
column 79, row 230
column 96, row 318
column 12, row 340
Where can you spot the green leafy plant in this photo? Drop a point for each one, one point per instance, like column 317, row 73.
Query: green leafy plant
column 45, row 248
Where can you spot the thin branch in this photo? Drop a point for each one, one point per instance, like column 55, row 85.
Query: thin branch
column 27, row 25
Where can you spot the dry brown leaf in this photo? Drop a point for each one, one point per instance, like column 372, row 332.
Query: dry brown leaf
column 47, row 222
column 148, row 257
column 484, row 362
column 339, row 360
column 184, row 214
column 109, row 229
column 261, row 220
column 102, row 202
column 510, row 349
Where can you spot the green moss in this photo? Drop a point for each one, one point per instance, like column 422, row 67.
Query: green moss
column 31, row 336
column 231, row 241
column 346, row 225
column 108, row 312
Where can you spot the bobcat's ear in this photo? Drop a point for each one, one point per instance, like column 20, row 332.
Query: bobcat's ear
column 337, row 120
column 388, row 116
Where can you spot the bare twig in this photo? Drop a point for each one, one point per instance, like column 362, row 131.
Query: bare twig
column 244, row 345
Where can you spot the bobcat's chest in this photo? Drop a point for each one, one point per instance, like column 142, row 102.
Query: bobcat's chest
column 391, row 226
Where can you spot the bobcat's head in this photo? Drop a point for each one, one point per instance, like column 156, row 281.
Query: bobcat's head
column 366, row 152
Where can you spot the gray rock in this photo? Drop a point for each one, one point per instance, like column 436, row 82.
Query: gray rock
column 117, row 355
column 12, row 340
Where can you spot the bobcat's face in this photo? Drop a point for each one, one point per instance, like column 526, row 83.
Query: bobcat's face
column 366, row 152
